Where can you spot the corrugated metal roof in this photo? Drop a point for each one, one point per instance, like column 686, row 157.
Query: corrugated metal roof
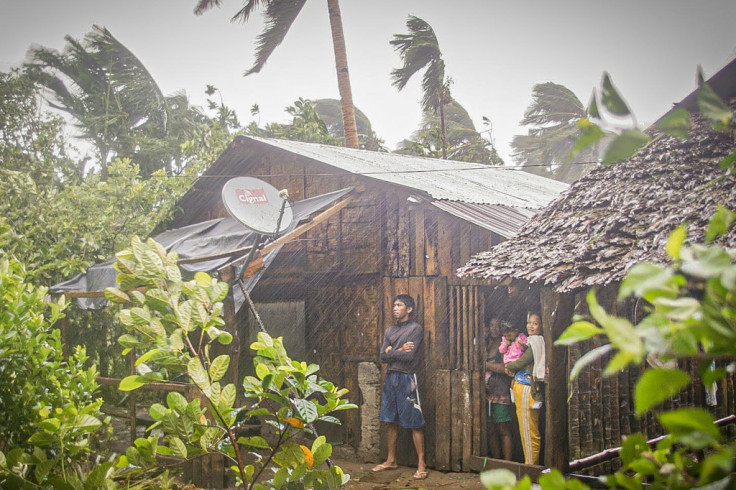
column 499, row 219
column 442, row 179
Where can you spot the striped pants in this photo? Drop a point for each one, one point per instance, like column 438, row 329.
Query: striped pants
column 528, row 422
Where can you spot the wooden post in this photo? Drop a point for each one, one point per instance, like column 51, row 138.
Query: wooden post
column 557, row 311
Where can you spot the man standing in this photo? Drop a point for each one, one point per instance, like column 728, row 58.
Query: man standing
column 400, row 404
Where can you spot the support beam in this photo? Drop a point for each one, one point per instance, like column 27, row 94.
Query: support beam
column 557, row 312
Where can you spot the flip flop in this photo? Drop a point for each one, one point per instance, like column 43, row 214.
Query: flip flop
column 420, row 475
column 383, row 467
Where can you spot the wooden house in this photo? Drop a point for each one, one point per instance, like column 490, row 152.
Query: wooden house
column 409, row 224
column 608, row 221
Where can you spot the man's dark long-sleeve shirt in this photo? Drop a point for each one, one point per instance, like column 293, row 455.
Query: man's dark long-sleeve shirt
column 396, row 336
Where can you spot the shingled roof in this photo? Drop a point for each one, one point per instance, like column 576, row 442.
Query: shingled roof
column 618, row 216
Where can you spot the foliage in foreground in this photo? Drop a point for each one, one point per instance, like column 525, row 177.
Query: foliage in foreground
column 176, row 326
column 691, row 315
column 48, row 407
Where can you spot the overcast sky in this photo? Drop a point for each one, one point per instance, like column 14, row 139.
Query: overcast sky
column 495, row 51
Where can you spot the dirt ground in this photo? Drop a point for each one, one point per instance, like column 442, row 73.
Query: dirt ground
column 362, row 478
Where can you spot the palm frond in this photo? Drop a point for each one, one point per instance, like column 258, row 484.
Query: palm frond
column 205, row 5
column 279, row 16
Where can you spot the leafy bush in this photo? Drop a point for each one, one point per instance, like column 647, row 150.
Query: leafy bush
column 48, row 408
column 175, row 326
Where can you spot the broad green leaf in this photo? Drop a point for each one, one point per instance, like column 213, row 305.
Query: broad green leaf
column 178, row 448
column 675, row 123
column 176, row 401
column 720, row 223
column 203, row 279
column 620, row 331
column 43, row 439
column 257, row 442
column 114, row 295
column 692, row 426
column 219, row 291
column 306, row 409
column 619, row 361
column 128, row 341
column 321, row 453
column 656, row 386
column 554, row 480
column 225, row 338
column 675, row 241
column 611, row 98
column 87, row 422
column 711, row 105
column 721, row 463
column 625, row 145
column 198, row 374
column 134, row 382
column 577, row 332
column 632, row 447
column 219, row 367
column 590, row 134
column 158, row 411
column 227, row 396
column 714, row 375
column 140, row 316
column 678, row 309
column 709, row 262
column 262, row 371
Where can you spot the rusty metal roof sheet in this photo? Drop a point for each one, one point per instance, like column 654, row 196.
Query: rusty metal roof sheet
column 441, row 179
column 502, row 220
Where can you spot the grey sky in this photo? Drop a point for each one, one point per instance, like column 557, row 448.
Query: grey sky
column 495, row 51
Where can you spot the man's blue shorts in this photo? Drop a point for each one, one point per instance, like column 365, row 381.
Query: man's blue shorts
column 400, row 400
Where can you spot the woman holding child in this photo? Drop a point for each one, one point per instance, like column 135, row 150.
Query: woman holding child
column 527, row 386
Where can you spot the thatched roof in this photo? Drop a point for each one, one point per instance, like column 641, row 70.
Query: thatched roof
column 618, row 216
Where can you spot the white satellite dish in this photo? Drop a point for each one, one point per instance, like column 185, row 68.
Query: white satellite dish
column 256, row 204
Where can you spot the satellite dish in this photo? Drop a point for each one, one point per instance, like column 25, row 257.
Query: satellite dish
column 256, row 204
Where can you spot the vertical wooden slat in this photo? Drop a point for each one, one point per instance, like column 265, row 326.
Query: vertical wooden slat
column 419, row 247
column 404, row 246
column 477, row 393
column 446, row 231
column 442, row 323
column 457, row 394
column 467, row 396
column 444, row 420
column 431, row 243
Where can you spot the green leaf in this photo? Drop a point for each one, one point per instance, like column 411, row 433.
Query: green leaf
column 709, row 262
column 134, row 382
column 228, row 395
column 42, row 439
column 158, row 411
column 611, row 98
column 257, row 442
column 656, row 386
column 675, row 123
column 620, row 331
column 719, row 223
column 87, row 422
column 632, row 447
column 711, row 105
column 678, row 309
column 198, row 374
column 306, row 409
column 116, row 296
column 176, row 401
column 577, row 332
column 225, row 338
column 141, row 316
column 203, row 279
column 554, row 480
column 625, row 145
column 321, row 453
column 178, row 448
column 262, row 371
column 675, row 241
column 590, row 134
column 691, row 426
column 219, row 367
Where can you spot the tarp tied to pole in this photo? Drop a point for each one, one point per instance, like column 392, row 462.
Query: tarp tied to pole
column 205, row 239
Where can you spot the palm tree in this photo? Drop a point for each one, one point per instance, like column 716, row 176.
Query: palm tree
column 279, row 15
column 330, row 112
column 552, row 118
column 106, row 89
column 419, row 50
column 463, row 141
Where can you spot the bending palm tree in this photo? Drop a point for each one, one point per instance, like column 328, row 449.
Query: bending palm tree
column 420, row 50
column 279, row 15
column 552, row 118
column 106, row 89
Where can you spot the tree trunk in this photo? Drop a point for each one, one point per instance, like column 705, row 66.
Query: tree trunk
column 343, row 77
column 443, row 134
